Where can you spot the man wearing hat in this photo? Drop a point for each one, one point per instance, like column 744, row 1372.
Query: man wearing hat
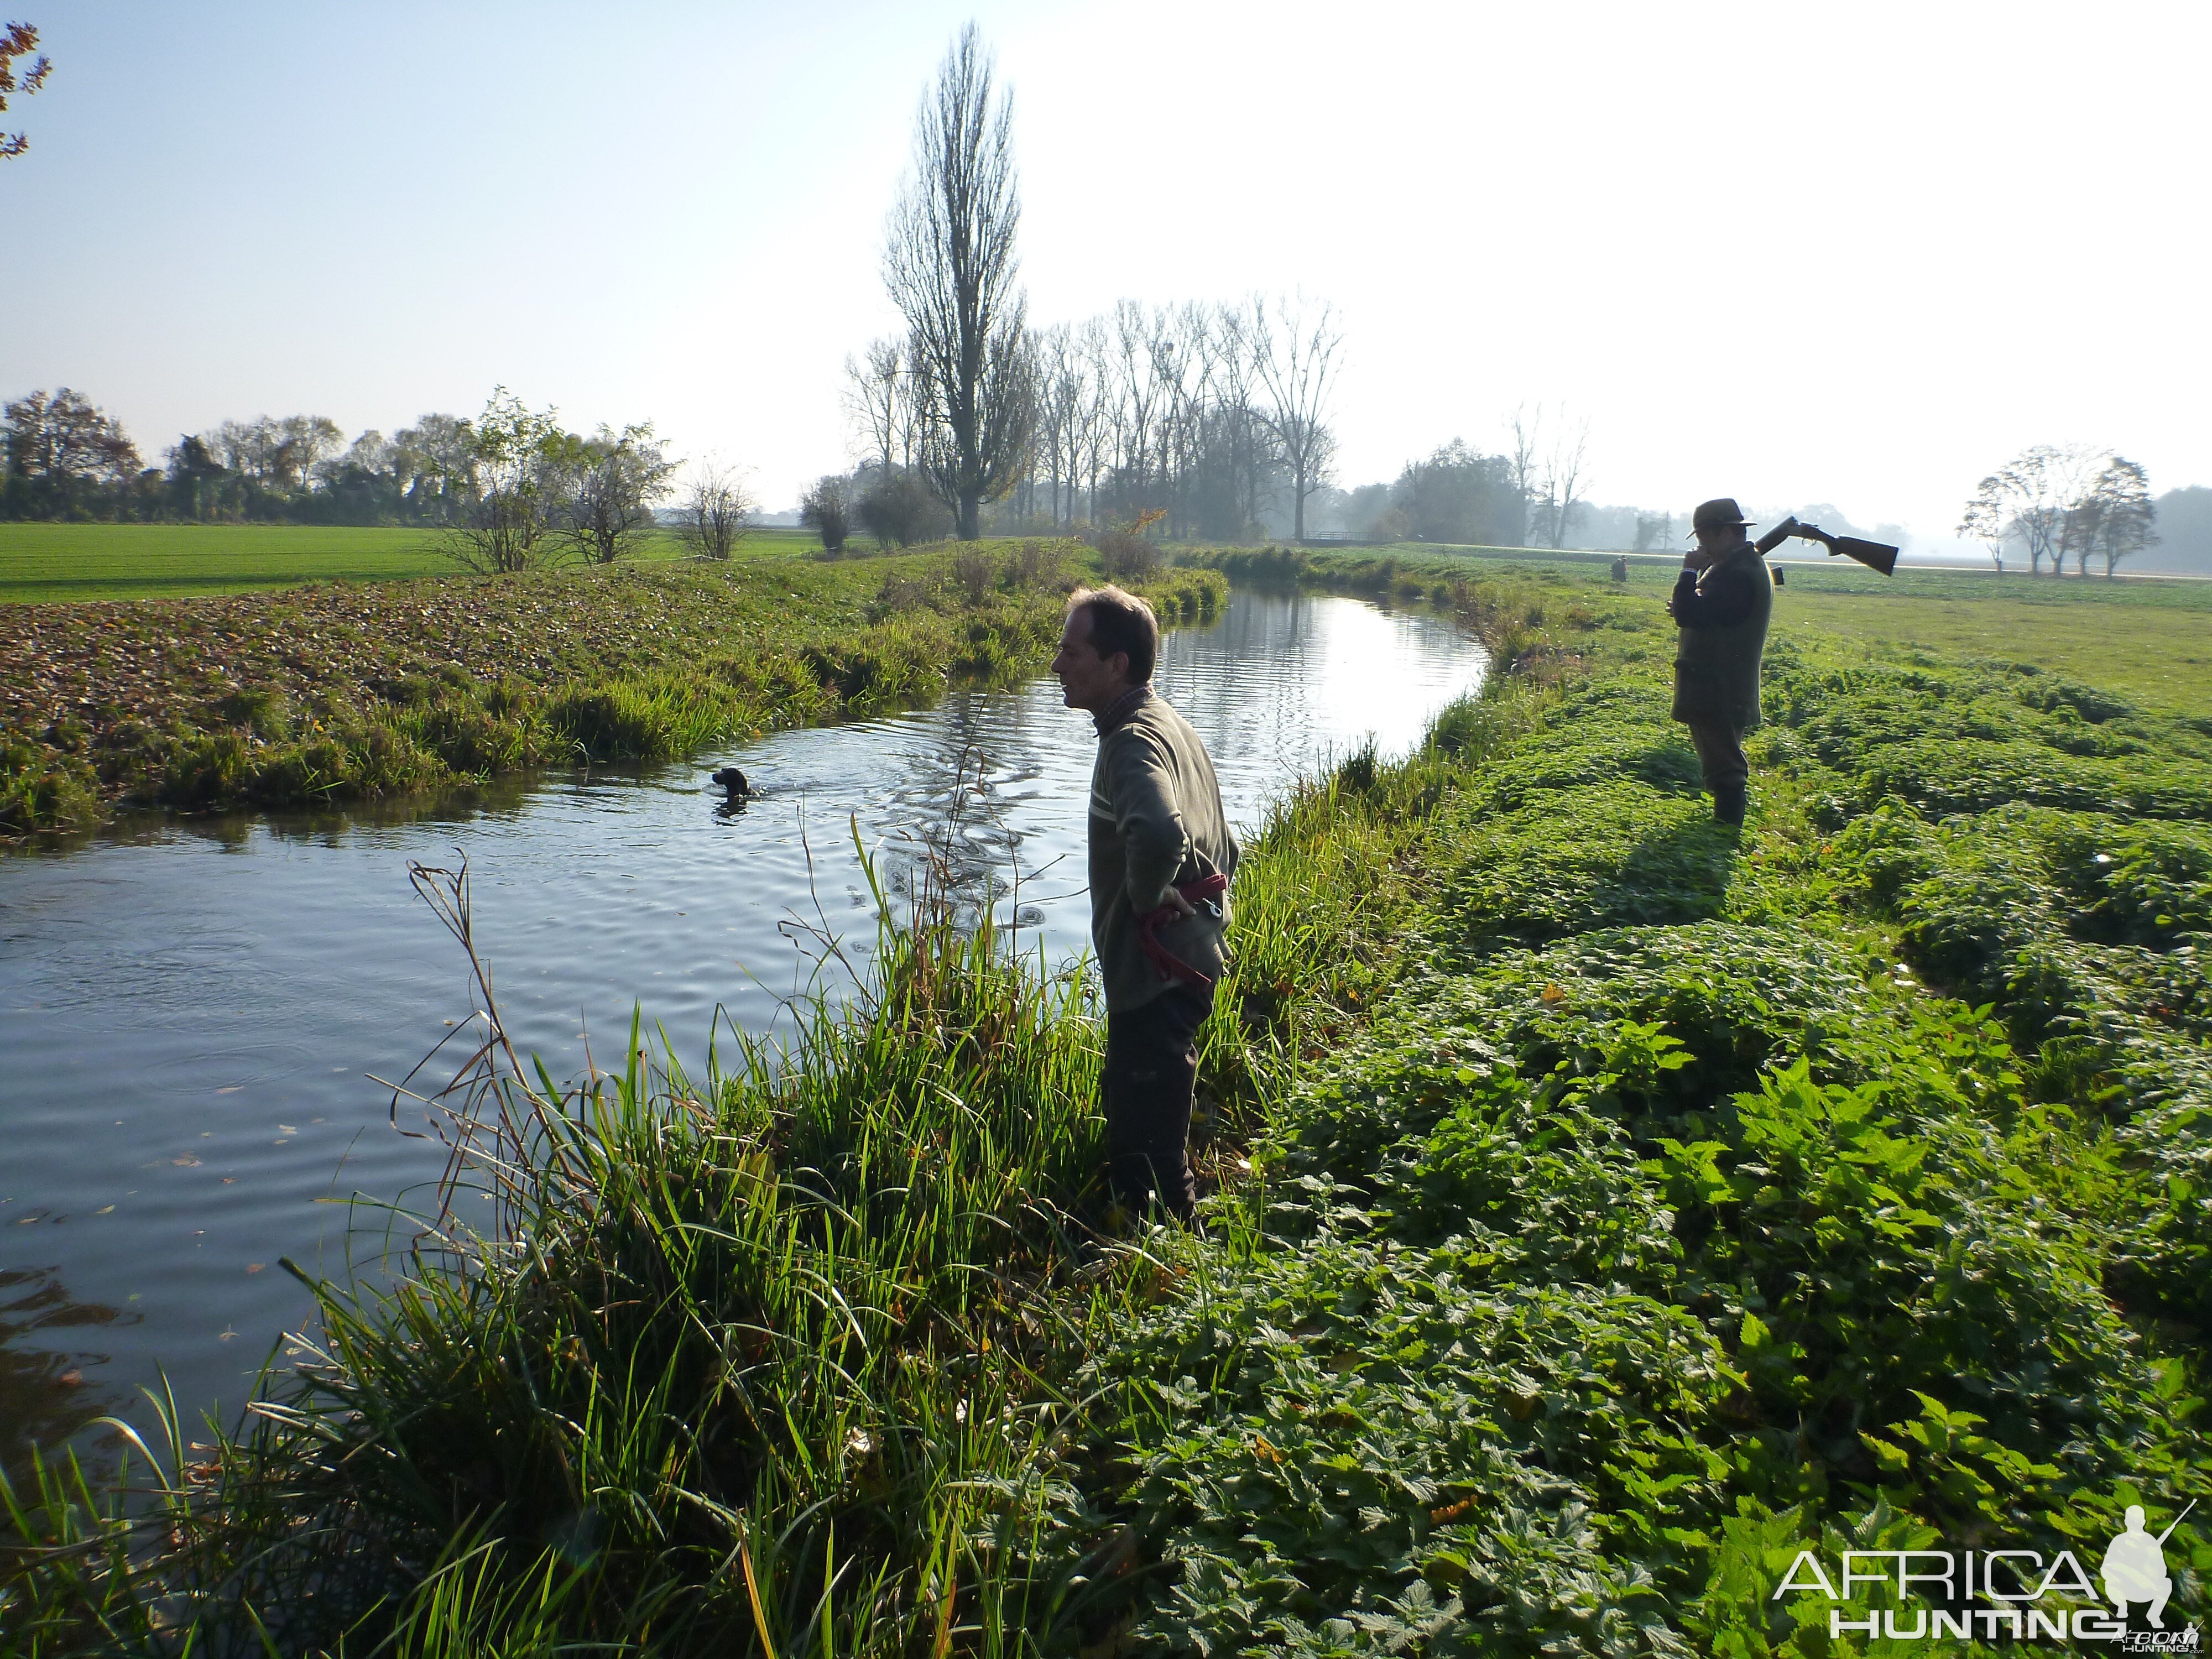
column 1721, row 604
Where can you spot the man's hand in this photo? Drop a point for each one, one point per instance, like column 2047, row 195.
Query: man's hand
column 1176, row 902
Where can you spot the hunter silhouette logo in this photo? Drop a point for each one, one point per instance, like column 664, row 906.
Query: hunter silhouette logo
column 1941, row 1594
column 2135, row 1567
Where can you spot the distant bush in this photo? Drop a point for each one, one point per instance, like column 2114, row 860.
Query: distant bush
column 976, row 572
column 1124, row 555
column 1034, row 564
column 827, row 507
column 900, row 595
column 899, row 510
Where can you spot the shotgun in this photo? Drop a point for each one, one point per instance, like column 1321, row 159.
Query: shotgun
column 2177, row 1520
column 1876, row 555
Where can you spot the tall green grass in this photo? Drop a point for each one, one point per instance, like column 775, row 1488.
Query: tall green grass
column 764, row 1358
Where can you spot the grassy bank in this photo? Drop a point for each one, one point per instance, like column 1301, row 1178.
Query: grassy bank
column 1631, row 1203
column 333, row 692
column 76, row 561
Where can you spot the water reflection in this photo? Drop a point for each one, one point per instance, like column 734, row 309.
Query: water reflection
column 190, row 1011
column 332, row 827
column 48, row 1385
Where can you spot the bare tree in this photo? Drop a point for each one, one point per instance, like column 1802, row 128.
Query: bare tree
column 1253, row 454
column 1145, row 369
column 951, row 267
column 1295, row 357
column 1159, row 410
column 1095, row 420
column 19, row 40
column 1566, row 476
column 1527, row 433
column 717, row 512
column 616, row 478
column 876, row 401
column 1059, row 401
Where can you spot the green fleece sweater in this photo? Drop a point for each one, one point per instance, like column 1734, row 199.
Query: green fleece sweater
column 1156, row 823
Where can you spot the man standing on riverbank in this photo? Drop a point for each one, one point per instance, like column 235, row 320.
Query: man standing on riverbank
column 1161, row 857
column 1721, row 602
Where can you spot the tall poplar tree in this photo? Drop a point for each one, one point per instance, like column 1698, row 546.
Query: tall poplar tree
column 951, row 267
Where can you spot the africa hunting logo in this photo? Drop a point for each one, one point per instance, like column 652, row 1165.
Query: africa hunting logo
column 1986, row 1594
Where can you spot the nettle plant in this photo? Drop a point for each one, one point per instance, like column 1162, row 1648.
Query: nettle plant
column 1668, row 1215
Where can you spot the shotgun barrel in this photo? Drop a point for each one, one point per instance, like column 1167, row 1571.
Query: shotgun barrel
column 1774, row 537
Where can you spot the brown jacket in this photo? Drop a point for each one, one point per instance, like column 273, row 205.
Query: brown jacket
column 1155, row 822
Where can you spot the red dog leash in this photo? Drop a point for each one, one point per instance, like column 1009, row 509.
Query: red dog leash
column 1165, row 963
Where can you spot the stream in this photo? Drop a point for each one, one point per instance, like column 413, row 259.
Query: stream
column 192, row 1010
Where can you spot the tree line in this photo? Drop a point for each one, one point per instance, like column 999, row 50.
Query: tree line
column 1173, row 414
column 66, row 457
column 1204, row 415
column 509, row 489
column 1183, row 416
column 1194, row 421
column 1201, row 421
column 2053, row 502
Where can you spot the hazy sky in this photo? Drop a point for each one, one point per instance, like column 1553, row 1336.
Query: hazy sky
column 1858, row 253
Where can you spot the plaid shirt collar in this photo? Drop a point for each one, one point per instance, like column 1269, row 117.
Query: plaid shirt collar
column 1118, row 713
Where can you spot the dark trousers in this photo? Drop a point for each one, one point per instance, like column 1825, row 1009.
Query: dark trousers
column 1727, row 773
column 1151, row 1064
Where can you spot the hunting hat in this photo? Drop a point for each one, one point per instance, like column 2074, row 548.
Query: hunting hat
column 1716, row 514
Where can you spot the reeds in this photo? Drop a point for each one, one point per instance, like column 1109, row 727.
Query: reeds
column 764, row 1359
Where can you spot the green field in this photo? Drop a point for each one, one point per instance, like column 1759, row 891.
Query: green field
column 2149, row 640
column 180, row 561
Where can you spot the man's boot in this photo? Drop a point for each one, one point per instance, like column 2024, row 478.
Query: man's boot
column 1728, row 802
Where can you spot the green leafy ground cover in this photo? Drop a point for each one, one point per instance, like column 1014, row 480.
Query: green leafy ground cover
column 1629, row 1205
column 77, row 561
column 1686, row 1201
column 339, row 691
